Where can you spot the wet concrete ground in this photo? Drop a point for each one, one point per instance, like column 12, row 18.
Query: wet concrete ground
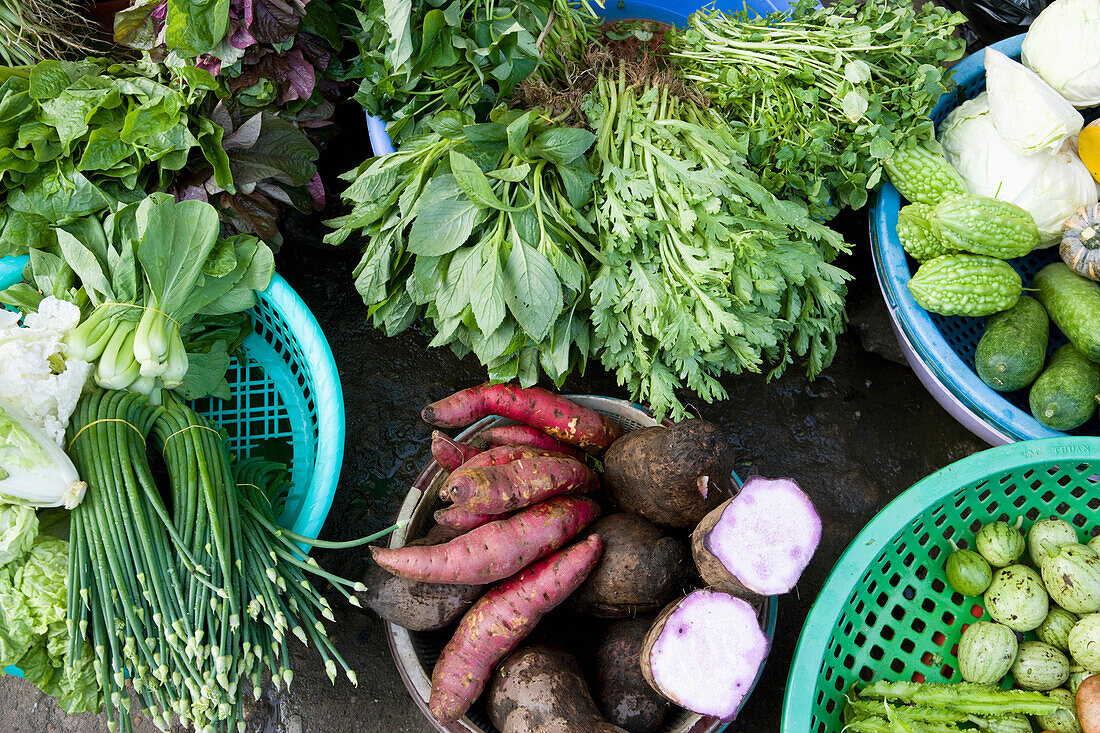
column 854, row 438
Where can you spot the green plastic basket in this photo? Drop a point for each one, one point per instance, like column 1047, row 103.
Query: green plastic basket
column 886, row 611
column 286, row 388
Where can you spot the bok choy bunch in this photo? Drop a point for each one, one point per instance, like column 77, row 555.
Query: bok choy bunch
column 148, row 270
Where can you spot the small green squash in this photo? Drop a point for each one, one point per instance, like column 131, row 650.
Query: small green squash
column 1056, row 627
column 968, row 572
column 1039, row 666
column 1065, row 720
column 986, row 652
column 1080, row 247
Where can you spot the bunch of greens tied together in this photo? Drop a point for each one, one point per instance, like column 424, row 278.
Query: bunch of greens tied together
column 145, row 273
column 823, row 95
column 421, row 56
column 482, row 229
column 702, row 271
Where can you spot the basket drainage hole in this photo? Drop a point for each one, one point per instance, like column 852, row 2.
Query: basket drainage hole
column 908, row 646
column 928, row 605
column 918, row 677
column 876, row 653
column 898, row 666
column 948, row 618
column 947, row 671
column 938, row 585
column 938, row 638
column 977, row 611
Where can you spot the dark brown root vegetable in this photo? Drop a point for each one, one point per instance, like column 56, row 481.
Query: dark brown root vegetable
column 759, row 542
column 673, row 475
column 414, row 605
column 704, row 653
column 623, row 695
column 541, row 690
column 640, row 571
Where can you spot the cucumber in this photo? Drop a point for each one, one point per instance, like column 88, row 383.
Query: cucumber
column 1064, row 395
column 1013, row 348
column 1073, row 303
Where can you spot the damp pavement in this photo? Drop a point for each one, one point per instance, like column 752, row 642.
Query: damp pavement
column 854, row 438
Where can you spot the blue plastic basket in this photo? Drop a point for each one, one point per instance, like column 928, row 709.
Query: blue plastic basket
column 943, row 346
column 286, row 388
column 673, row 12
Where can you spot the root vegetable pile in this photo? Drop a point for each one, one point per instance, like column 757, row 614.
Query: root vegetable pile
column 703, row 652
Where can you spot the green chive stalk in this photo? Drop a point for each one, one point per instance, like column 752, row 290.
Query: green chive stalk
column 194, row 597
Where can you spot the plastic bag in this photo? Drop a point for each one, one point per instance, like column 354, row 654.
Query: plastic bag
column 993, row 20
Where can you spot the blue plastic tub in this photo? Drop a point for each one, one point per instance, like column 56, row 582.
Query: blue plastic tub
column 940, row 349
column 673, row 12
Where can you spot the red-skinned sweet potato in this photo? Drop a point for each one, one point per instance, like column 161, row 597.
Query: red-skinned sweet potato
column 641, row 569
column 499, row 621
column 622, row 694
column 496, row 550
column 523, row 482
column 672, row 475
column 499, row 456
column 538, row 689
column 525, row 435
column 450, row 453
column 553, row 414
column 462, row 520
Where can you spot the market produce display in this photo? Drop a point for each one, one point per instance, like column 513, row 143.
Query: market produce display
column 1041, row 591
column 1018, row 150
column 628, row 207
column 620, row 566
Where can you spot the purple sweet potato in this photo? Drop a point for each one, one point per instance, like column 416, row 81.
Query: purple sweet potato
column 450, row 453
column 623, row 695
column 704, row 652
column 672, row 475
column 553, row 414
column 462, row 520
column 523, row 482
column 496, row 550
column 759, row 542
column 499, row 621
column 525, row 435
column 641, row 569
column 539, row 689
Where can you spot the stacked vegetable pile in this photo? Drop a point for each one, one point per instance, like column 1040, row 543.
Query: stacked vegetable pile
column 499, row 561
column 1039, row 613
column 566, row 193
column 1005, row 179
column 178, row 580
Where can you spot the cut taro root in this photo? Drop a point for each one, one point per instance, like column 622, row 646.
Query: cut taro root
column 704, row 653
column 759, row 542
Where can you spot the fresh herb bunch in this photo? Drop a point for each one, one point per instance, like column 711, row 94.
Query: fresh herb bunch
column 482, row 229
column 704, row 272
column 823, row 95
column 419, row 57
column 35, row 30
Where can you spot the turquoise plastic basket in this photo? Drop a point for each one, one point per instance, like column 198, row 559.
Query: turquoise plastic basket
column 944, row 345
column 886, row 611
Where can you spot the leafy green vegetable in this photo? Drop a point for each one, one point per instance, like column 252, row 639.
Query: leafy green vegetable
column 33, row 469
column 148, row 271
column 34, row 634
column 419, row 57
column 18, row 528
column 482, row 229
column 823, row 95
column 704, row 271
